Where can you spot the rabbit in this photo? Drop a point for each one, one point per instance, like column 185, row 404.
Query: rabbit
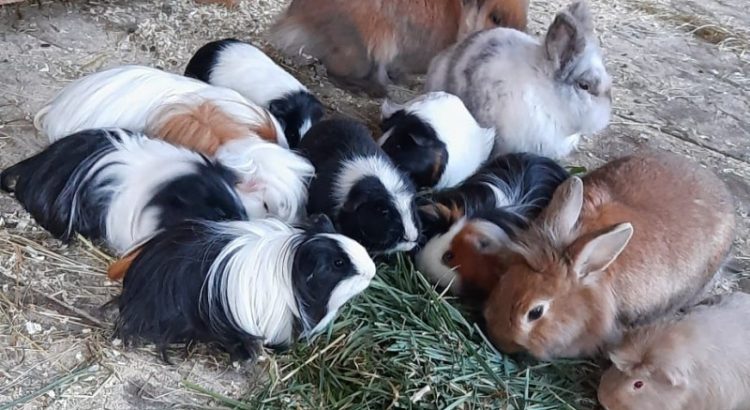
column 434, row 139
column 238, row 283
column 215, row 121
column 356, row 185
column 614, row 249
column 365, row 44
column 699, row 362
column 244, row 68
column 539, row 97
column 120, row 186
column 466, row 226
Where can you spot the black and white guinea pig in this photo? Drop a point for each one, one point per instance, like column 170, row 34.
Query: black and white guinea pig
column 435, row 139
column 120, row 186
column 238, row 283
column 244, row 68
column 358, row 186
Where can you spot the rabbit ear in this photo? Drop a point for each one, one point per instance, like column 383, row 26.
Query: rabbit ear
column 563, row 210
column 566, row 38
column 602, row 250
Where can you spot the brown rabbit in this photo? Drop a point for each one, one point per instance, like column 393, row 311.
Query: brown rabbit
column 639, row 237
column 363, row 43
column 699, row 362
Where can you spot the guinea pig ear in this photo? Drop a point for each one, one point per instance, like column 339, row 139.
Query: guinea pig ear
column 321, row 223
column 355, row 199
column 279, row 109
column 601, row 250
column 419, row 140
column 561, row 215
column 389, row 108
column 486, row 237
column 624, row 361
column 565, row 37
column 673, row 375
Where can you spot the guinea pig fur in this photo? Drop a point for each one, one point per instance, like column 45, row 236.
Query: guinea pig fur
column 239, row 283
column 699, row 362
column 434, row 139
column 472, row 220
column 120, row 186
column 215, row 121
column 244, row 68
column 539, row 96
column 364, row 44
column 356, row 184
column 637, row 238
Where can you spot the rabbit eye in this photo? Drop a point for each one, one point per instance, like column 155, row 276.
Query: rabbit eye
column 265, row 206
column 584, row 85
column 447, row 257
column 536, row 313
column 496, row 19
column 637, row 385
column 338, row 263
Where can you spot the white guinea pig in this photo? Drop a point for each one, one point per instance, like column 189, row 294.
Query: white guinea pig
column 434, row 139
column 538, row 96
column 698, row 362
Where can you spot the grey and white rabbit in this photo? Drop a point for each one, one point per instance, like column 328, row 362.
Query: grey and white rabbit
column 539, row 95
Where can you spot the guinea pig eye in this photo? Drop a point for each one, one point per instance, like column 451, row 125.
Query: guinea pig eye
column 338, row 263
column 535, row 313
column 447, row 257
column 637, row 385
column 583, row 85
column 496, row 19
column 265, row 206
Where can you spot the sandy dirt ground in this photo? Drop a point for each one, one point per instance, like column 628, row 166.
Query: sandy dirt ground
column 681, row 70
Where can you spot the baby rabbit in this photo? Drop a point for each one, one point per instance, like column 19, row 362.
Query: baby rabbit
column 616, row 248
column 698, row 362
column 356, row 185
column 434, row 139
column 538, row 96
column 365, row 43
column 466, row 226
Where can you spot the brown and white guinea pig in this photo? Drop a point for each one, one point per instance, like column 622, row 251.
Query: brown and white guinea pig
column 120, row 187
column 215, row 121
column 635, row 239
column 698, row 362
column 242, row 67
column 364, row 44
column 238, row 283
column 465, row 226
column 540, row 96
column 358, row 186
column 434, row 139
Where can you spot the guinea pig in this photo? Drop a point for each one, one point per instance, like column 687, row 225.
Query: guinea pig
column 699, row 362
column 364, row 44
column 542, row 95
column 356, row 184
column 215, row 121
column 616, row 248
column 120, row 186
column 239, row 283
column 434, row 139
column 244, row 68
column 467, row 225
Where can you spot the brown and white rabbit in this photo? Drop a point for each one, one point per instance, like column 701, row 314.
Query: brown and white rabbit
column 699, row 362
column 637, row 238
column 539, row 96
column 365, row 43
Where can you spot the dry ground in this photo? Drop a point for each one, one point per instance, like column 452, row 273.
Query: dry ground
column 682, row 82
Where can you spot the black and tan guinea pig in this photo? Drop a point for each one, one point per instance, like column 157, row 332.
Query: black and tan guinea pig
column 120, row 186
column 464, row 224
column 239, row 283
column 242, row 67
column 365, row 44
column 358, row 186
column 434, row 139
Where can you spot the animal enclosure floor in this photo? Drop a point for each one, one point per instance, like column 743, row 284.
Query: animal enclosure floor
column 681, row 73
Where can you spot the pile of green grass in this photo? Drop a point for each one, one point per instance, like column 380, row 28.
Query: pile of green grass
column 402, row 345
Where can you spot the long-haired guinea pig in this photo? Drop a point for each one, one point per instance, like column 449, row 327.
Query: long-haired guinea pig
column 699, row 362
column 364, row 44
column 434, row 139
column 542, row 95
column 637, row 238
column 215, row 121
column 238, row 283
column 466, row 226
column 356, row 184
column 244, row 68
column 120, row 186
